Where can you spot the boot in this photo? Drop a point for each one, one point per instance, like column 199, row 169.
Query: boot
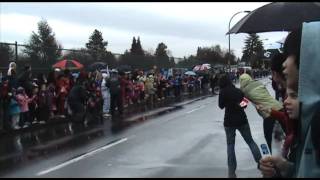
column 232, row 174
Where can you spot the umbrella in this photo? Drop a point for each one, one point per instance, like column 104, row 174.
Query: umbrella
column 197, row 68
column 278, row 16
column 98, row 65
column 191, row 73
column 68, row 64
column 202, row 67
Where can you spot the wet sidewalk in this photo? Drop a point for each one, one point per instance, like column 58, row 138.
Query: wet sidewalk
column 129, row 111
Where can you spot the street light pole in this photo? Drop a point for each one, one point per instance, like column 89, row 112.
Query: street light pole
column 229, row 31
column 263, row 63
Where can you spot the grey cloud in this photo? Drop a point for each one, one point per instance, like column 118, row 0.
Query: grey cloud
column 121, row 18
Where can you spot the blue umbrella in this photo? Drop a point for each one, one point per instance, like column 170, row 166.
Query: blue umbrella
column 191, row 73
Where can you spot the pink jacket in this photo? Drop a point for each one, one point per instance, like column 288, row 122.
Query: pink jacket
column 23, row 101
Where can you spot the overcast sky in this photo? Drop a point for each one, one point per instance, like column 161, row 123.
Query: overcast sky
column 181, row 26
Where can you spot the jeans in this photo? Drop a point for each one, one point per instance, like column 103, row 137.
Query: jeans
column 106, row 100
column 268, row 125
column 246, row 134
column 116, row 101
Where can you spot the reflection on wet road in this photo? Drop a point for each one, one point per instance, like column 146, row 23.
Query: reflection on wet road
column 19, row 149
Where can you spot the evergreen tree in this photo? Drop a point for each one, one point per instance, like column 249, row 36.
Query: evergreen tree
column 81, row 55
column 139, row 49
column 97, row 46
column 6, row 55
column 253, row 51
column 133, row 49
column 214, row 55
column 136, row 57
column 162, row 57
column 189, row 62
column 172, row 62
column 43, row 47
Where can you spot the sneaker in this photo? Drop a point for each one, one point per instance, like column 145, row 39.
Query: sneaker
column 16, row 127
column 42, row 122
column 232, row 175
column 34, row 122
column 25, row 126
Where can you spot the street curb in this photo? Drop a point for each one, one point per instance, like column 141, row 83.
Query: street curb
column 51, row 122
column 147, row 115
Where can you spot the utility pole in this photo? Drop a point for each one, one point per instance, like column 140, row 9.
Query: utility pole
column 16, row 50
column 229, row 32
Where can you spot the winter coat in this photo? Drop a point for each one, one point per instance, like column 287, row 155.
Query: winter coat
column 258, row 94
column 23, row 101
column 230, row 98
column 63, row 86
column 290, row 129
column 13, row 82
column 14, row 107
column 114, row 85
column 77, row 94
column 104, row 86
column 52, row 97
column 149, row 86
column 25, row 81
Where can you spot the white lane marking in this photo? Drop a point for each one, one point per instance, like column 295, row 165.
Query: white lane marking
column 196, row 109
column 81, row 157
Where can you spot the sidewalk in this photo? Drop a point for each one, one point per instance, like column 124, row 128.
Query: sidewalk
column 134, row 111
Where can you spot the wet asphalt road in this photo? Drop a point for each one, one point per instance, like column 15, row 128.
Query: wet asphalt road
column 187, row 140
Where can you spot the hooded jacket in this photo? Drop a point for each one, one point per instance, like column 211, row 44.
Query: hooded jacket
column 230, row 98
column 258, row 94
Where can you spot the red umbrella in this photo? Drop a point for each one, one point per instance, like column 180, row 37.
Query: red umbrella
column 68, row 64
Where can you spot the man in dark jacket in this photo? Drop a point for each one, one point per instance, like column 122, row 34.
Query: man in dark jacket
column 76, row 100
column 25, row 81
column 235, row 118
column 114, row 85
column 213, row 82
column 5, row 91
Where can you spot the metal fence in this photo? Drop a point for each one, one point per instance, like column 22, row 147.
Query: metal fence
column 18, row 52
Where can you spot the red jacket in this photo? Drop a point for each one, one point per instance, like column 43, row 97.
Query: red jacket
column 4, row 90
column 63, row 85
column 290, row 129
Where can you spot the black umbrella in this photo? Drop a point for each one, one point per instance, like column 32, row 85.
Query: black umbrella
column 278, row 16
column 98, row 66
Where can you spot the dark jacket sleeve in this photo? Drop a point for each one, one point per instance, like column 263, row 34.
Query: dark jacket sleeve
column 221, row 100
column 241, row 95
column 108, row 83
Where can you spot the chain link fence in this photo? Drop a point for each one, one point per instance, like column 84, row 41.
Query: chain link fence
column 15, row 52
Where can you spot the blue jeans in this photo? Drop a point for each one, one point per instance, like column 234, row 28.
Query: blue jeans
column 246, row 134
